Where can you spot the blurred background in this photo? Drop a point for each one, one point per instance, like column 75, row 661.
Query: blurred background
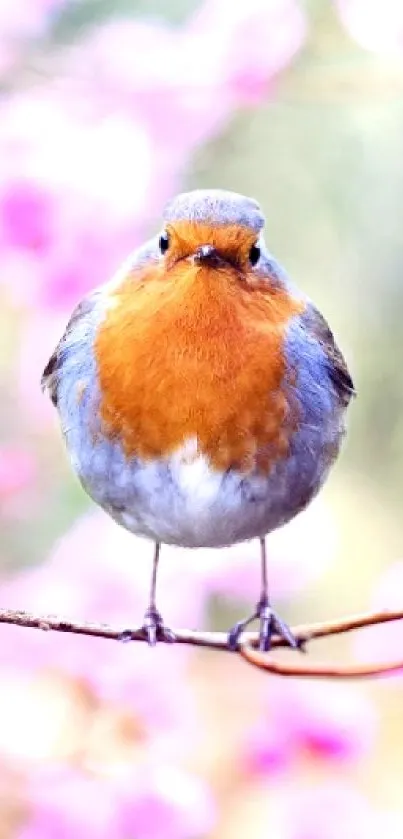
column 106, row 110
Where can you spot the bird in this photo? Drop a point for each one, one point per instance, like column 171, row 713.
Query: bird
column 201, row 395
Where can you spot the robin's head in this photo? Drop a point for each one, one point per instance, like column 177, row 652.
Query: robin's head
column 212, row 228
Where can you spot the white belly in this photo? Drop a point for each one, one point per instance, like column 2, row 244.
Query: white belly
column 183, row 501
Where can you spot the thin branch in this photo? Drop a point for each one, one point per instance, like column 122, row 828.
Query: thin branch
column 218, row 641
column 318, row 670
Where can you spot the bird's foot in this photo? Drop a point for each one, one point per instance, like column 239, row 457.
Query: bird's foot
column 270, row 624
column 152, row 630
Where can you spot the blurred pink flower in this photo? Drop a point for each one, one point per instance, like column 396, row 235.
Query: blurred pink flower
column 320, row 720
column 26, row 16
column 384, row 642
column 248, row 47
column 19, row 21
column 333, row 810
column 74, row 190
column 162, row 70
column 26, row 216
column 297, row 555
column 90, row 160
column 17, row 471
column 377, row 25
column 157, row 803
column 99, row 572
column 168, row 804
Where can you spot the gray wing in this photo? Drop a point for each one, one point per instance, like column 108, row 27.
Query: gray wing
column 50, row 375
column 336, row 364
column 77, row 323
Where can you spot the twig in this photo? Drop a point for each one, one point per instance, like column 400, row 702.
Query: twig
column 218, row 641
column 318, row 670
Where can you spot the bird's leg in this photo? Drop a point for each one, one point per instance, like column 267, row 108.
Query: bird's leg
column 270, row 623
column 153, row 627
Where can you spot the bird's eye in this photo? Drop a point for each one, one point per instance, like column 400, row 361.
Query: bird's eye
column 164, row 242
column 254, row 254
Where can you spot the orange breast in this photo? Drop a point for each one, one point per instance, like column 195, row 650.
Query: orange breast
column 197, row 353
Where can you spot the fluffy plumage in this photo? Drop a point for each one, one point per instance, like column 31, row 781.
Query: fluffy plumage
column 202, row 401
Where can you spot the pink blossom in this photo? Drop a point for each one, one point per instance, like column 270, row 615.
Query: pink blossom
column 336, row 722
column 384, row 643
column 89, row 162
column 169, row 804
column 318, row 720
column 155, row 803
column 99, row 572
column 268, row 749
column 248, row 47
column 297, row 555
column 332, row 810
column 26, row 16
column 26, row 217
column 377, row 25
column 17, row 471
column 162, row 70
column 19, row 21
column 73, row 193
column 68, row 804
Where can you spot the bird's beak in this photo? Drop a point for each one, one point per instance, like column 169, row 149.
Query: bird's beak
column 207, row 255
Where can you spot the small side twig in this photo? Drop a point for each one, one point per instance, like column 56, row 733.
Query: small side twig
column 318, row 670
column 247, row 648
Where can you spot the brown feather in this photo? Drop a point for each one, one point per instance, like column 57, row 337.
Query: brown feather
column 192, row 352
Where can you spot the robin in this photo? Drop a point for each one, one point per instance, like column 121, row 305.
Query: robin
column 201, row 396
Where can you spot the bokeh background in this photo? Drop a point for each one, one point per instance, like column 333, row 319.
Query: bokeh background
column 106, row 110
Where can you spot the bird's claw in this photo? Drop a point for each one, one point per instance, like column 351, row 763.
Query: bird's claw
column 155, row 629
column 270, row 624
column 152, row 630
